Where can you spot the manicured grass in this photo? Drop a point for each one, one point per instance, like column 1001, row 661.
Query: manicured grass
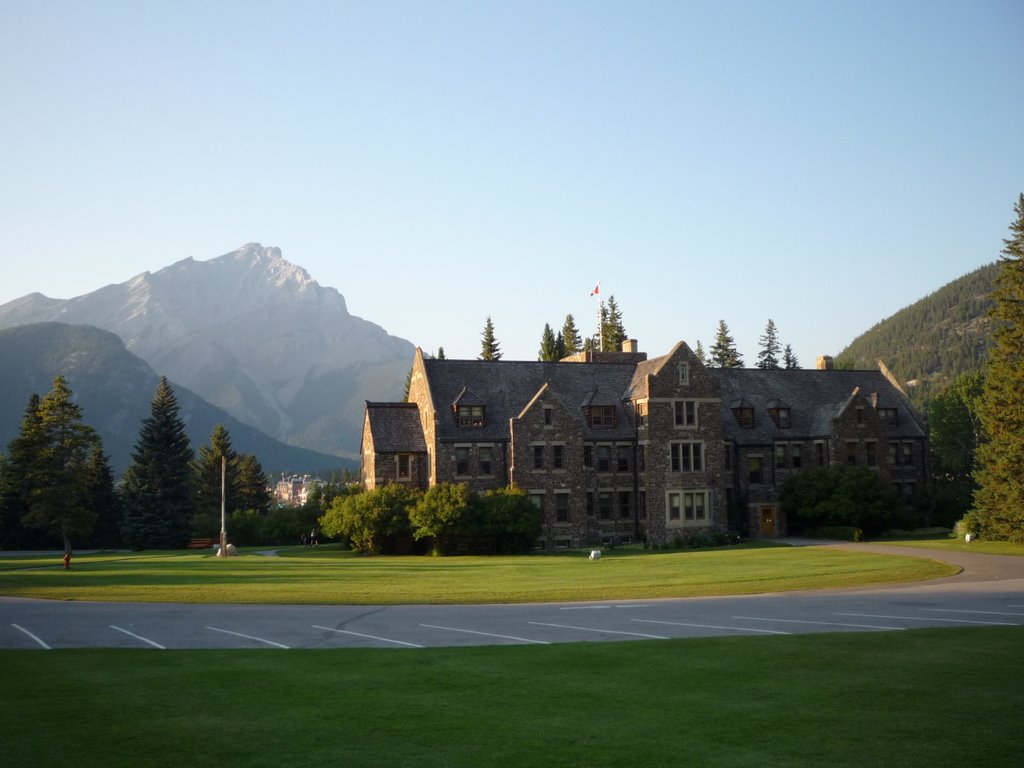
column 335, row 577
column 935, row 697
column 947, row 544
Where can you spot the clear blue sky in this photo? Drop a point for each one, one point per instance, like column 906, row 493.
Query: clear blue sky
column 820, row 163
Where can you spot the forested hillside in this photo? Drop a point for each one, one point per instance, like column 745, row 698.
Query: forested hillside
column 931, row 342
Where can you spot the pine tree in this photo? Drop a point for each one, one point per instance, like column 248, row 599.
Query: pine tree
column 17, row 479
column 789, row 361
column 723, row 351
column 700, row 354
column 613, row 333
column 103, row 499
column 490, row 349
column 559, row 346
column 157, row 488
column 548, row 347
column 440, row 354
column 768, row 357
column 998, row 511
column 58, row 501
column 253, row 486
column 206, row 475
column 571, row 336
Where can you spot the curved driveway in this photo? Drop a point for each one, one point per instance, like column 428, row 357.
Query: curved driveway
column 988, row 592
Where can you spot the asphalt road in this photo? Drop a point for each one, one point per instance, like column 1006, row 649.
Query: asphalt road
column 988, row 592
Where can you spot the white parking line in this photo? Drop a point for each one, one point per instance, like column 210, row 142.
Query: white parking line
column 487, row 634
column 990, row 613
column 713, row 626
column 928, row 618
column 139, row 637
column 248, row 637
column 584, row 607
column 823, row 623
column 602, row 631
column 368, row 637
column 22, row 629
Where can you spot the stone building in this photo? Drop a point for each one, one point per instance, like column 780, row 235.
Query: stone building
column 614, row 447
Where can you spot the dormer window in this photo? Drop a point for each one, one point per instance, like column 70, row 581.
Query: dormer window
column 744, row 416
column 602, row 416
column 469, row 415
column 780, row 414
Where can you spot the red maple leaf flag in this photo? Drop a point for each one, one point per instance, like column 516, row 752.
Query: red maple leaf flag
column 597, row 290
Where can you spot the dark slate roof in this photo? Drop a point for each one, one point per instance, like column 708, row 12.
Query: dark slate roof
column 395, row 427
column 814, row 398
column 506, row 387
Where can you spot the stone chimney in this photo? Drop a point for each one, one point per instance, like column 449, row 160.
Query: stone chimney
column 825, row 363
column 629, row 345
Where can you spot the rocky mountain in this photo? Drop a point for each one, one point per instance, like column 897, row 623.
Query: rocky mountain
column 930, row 343
column 250, row 333
column 114, row 389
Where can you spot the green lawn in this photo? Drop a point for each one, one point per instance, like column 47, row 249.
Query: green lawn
column 935, row 697
column 944, row 543
column 330, row 576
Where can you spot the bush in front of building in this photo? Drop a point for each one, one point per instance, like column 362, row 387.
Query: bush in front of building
column 839, row 496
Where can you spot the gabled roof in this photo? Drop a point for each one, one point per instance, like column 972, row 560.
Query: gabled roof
column 506, row 387
column 395, row 427
column 814, row 398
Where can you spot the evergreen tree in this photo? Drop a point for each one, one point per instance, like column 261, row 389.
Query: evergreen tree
column 253, row 486
column 58, row 499
column 548, row 346
column 440, row 354
column 789, row 361
column 613, row 333
column 206, row 476
column 490, row 349
column 157, row 488
column 17, row 479
column 723, row 351
column 571, row 336
column 700, row 354
column 559, row 346
column 998, row 511
column 768, row 357
column 103, row 499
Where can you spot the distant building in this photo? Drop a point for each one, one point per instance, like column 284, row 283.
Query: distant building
column 613, row 447
column 293, row 490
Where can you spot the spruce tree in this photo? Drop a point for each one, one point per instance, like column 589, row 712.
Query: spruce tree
column 723, row 351
column 559, row 346
column 789, row 360
column 548, row 346
column 17, row 478
column 58, row 501
column 571, row 336
column 103, row 499
column 768, row 357
column 613, row 333
column 490, row 349
column 253, row 486
column 700, row 354
column 998, row 511
column 157, row 487
column 440, row 354
column 206, row 476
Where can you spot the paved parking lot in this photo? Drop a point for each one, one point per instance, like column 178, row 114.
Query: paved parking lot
column 989, row 594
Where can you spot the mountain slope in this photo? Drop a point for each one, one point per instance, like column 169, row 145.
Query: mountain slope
column 934, row 340
column 114, row 389
column 252, row 334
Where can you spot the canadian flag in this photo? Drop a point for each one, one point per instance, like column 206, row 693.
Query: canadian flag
column 597, row 290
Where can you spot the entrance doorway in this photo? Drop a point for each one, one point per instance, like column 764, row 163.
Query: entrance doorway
column 767, row 516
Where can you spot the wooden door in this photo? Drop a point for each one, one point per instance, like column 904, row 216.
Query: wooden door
column 767, row 522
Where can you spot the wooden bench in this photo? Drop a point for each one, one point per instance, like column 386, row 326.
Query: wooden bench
column 201, row 543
